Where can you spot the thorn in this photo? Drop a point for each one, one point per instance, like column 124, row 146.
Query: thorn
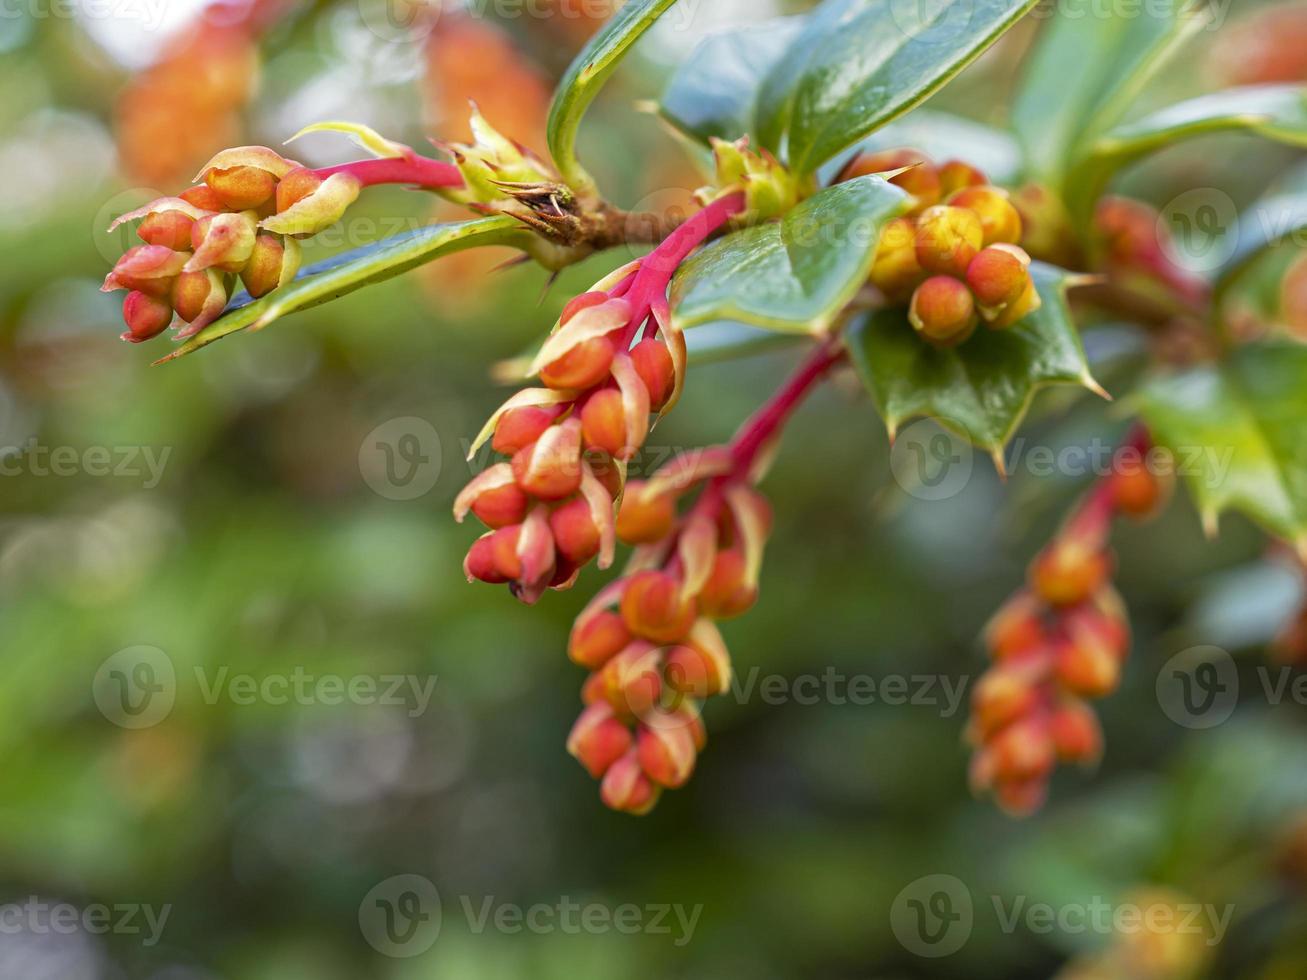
column 1000, row 464
column 1081, row 279
column 544, row 291
column 1090, row 382
column 512, row 263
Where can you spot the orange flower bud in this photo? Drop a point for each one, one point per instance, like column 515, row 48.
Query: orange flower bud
column 1077, row 736
column 1019, row 309
column 150, row 269
column 1000, row 698
column 1069, row 571
column 480, row 563
column 943, row 311
column 1087, row 668
column 948, row 238
column 1137, row 492
column 169, row 229
column 632, row 680
column 584, row 366
column 199, row 297
column 653, row 363
column 922, row 181
column 222, row 241
column 667, row 754
column 597, row 639
column 550, row 468
column 603, row 421
column 896, row 271
column 504, row 550
column 997, row 276
column 697, row 672
column 999, row 219
column 626, row 788
column 242, row 188
column 295, row 186
column 593, row 690
column 727, row 593
column 1100, row 622
column 575, row 535
column 501, row 506
column 652, row 607
column 606, row 471
column 203, row 197
column 645, row 520
column 1016, row 629
column 955, row 175
column 520, row 427
column 146, row 316
column 316, row 208
column 598, row 739
column 1020, row 797
column 1022, row 751
column 273, row 263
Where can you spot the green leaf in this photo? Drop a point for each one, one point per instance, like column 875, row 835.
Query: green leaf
column 1269, row 222
column 715, row 90
column 1084, row 73
column 1277, row 112
column 587, row 75
column 794, row 274
column 1236, row 430
column 982, row 389
column 342, row 274
column 859, row 64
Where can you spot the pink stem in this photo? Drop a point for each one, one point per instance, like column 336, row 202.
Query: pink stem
column 415, row 170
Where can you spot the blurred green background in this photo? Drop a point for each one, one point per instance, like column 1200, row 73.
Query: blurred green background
column 271, row 540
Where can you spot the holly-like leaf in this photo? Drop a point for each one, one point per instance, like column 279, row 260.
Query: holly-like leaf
column 794, row 274
column 587, row 75
column 981, row 389
column 859, row 64
column 1276, row 112
column 1272, row 220
column 1236, row 430
column 715, row 90
column 345, row 273
column 1115, row 53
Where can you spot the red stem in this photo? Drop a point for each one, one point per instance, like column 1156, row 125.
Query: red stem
column 417, row 171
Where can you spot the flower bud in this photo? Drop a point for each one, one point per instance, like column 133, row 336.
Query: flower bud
column 1077, row 736
column 1137, row 492
column 597, row 639
column 955, row 175
column 997, row 276
column 1087, row 668
column 295, row 187
column 598, row 739
column 1016, row 629
column 943, row 311
column 1002, row 697
column 242, row 188
column 896, row 271
column 1020, row 797
column 948, row 238
column 146, row 316
column 922, row 181
column 653, row 363
column 727, row 593
column 501, row 506
column 626, row 788
column 632, row 681
column 653, row 608
column 273, row 263
column 666, row 753
column 520, row 427
column 644, row 519
column 1019, row 309
column 223, row 241
column 315, row 210
column 203, row 198
column 550, row 468
column 999, row 219
column 1100, row 622
column 603, row 421
column 480, row 563
column 581, row 302
column 698, row 670
column 582, row 367
column 575, row 535
column 1022, row 751
column 200, row 298
column 169, row 229
column 1069, row 571
column 504, row 545
column 149, row 269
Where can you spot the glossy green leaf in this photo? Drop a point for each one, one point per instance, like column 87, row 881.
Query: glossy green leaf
column 1085, row 71
column 345, row 273
column 587, row 75
column 794, row 274
column 1277, row 112
column 1236, row 431
column 715, row 90
column 858, row 64
column 1272, row 220
column 982, row 389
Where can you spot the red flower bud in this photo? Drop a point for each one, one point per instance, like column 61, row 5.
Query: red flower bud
column 222, row 241
column 998, row 275
column 584, row 366
column 896, row 271
column 922, row 181
column 150, row 269
column 242, row 188
column 1021, row 797
column 1077, row 736
column 943, row 311
column 645, row 519
column 203, row 197
column 169, row 229
column 955, row 175
column 146, row 316
column 582, row 302
column 626, row 788
column 504, row 551
column 598, row 739
column 653, row 608
column 520, row 427
column 666, row 753
column 1021, row 751
column 1001, row 697
column 1069, row 571
column 698, row 669
column 575, row 535
column 727, row 593
column 653, row 363
column 603, row 421
column 597, row 639
column 1016, row 629
column 948, row 238
column 480, row 563
column 501, row 506
column 1139, row 493
column 632, row 680
column 550, row 468
column 999, row 219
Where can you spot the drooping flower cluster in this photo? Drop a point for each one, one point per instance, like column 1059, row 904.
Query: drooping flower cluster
column 1136, row 248
column 1057, row 644
column 613, row 359
column 955, row 256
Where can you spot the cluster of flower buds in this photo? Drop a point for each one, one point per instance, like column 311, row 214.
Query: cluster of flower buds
column 650, row 640
column 1134, row 245
column 955, row 255
column 1163, row 941
column 1057, row 644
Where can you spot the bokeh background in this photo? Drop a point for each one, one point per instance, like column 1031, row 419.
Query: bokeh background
column 232, row 516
